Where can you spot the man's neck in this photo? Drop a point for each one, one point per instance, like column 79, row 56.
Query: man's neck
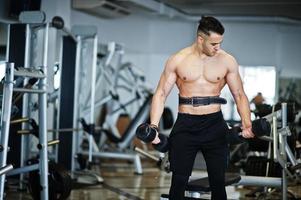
column 198, row 50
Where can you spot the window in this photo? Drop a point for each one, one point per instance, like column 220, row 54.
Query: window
column 255, row 79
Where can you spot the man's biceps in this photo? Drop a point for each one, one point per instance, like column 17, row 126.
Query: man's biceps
column 168, row 86
column 172, row 80
column 234, row 88
column 234, row 81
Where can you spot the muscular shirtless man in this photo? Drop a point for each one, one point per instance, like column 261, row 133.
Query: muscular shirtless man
column 200, row 71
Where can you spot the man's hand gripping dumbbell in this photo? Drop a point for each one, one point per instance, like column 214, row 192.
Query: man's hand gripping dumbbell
column 260, row 127
column 149, row 133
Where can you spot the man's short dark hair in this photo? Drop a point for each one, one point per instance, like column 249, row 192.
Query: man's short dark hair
column 210, row 24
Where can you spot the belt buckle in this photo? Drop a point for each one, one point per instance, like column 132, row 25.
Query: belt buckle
column 194, row 104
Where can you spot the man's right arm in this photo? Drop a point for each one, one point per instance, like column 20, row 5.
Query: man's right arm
column 236, row 87
column 167, row 80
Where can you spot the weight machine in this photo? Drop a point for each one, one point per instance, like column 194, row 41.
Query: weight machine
column 29, row 20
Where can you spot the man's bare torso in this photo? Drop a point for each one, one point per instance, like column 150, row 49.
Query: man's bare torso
column 200, row 76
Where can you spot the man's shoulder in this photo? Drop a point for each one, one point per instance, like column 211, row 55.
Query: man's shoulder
column 179, row 55
column 183, row 52
column 225, row 55
column 227, row 58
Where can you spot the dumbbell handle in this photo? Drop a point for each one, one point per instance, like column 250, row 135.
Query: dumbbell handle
column 238, row 131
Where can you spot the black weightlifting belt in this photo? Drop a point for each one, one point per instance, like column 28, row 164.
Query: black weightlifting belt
column 201, row 101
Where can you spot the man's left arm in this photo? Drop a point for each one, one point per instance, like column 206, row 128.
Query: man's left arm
column 234, row 82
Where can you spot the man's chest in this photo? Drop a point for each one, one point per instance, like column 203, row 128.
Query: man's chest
column 209, row 71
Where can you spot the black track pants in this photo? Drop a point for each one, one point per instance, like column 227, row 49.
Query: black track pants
column 193, row 133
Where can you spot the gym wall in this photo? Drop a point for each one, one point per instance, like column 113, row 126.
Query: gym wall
column 261, row 43
column 252, row 42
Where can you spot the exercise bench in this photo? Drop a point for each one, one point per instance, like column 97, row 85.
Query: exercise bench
column 197, row 186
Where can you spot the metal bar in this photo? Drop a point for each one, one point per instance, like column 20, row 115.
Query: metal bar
column 116, row 155
column 140, row 117
column 65, row 130
column 29, row 73
column 23, row 132
column 21, row 120
column 99, row 103
column 124, row 105
column 57, row 107
column 5, row 119
column 267, row 138
column 259, row 181
column 75, row 140
column 284, row 114
column 111, row 49
column 29, row 85
column 69, row 33
column 269, row 155
column 126, row 80
column 283, row 164
column 146, row 154
column 53, row 142
column 250, row 181
column 269, row 117
column 39, row 91
column 98, row 128
column 25, row 110
column 43, row 164
column 137, row 163
column 275, row 139
column 92, row 100
column 284, row 131
column 283, row 142
column 7, row 44
column 93, row 79
column 23, row 170
column 32, row 17
column 99, row 76
column 290, row 155
column 5, row 169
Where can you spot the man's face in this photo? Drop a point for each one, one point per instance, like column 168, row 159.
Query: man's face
column 210, row 43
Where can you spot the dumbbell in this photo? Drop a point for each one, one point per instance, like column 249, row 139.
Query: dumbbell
column 147, row 133
column 260, row 127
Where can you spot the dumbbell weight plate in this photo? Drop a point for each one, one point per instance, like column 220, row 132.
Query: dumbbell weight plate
column 59, row 183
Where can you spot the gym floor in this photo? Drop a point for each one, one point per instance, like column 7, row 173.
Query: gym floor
column 121, row 183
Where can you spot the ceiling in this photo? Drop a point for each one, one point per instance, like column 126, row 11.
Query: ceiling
column 271, row 8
